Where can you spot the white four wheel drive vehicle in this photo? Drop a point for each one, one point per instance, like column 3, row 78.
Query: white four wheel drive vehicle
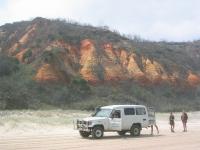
column 116, row 118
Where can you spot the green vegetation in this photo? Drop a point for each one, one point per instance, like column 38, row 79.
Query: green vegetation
column 18, row 90
column 27, row 55
column 15, row 84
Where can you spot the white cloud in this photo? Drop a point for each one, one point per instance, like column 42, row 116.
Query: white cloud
column 152, row 19
column 25, row 9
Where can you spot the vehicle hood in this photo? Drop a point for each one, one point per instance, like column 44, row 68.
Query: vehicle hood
column 94, row 118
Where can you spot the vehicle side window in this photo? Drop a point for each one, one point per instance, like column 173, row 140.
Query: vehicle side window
column 129, row 111
column 140, row 111
column 117, row 114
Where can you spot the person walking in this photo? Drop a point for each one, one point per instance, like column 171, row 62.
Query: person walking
column 171, row 121
column 184, row 118
column 152, row 119
column 155, row 125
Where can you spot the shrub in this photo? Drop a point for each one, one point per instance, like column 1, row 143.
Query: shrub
column 27, row 54
column 8, row 65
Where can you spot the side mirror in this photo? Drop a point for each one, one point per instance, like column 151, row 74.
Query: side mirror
column 97, row 109
column 112, row 116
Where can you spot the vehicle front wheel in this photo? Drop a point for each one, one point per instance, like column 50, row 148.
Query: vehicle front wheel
column 84, row 134
column 97, row 132
column 135, row 130
column 121, row 133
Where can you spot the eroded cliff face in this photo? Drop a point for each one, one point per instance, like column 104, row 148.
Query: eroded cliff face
column 133, row 68
column 88, row 61
column 46, row 73
column 23, row 40
column 95, row 62
column 154, row 71
column 113, row 69
column 20, row 55
column 193, row 79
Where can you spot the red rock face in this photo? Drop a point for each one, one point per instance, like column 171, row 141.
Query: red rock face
column 193, row 79
column 117, row 65
column 68, row 55
column 133, row 68
column 123, row 56
column 20, row 55
column 113, row 64
column 23, row 40
column 88, row 61
column 47, row 73
column 154, row 71
column 113, row 70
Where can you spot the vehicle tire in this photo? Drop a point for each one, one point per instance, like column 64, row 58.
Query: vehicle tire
column 97, row 132
column 84, row 134
column 135, row 130
column 121, row 133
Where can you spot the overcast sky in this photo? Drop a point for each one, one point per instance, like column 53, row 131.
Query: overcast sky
column 171, row 20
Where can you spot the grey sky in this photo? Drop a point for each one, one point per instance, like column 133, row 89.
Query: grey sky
column 172, row 20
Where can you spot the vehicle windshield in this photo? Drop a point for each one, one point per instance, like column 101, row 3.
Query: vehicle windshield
column 103, row 113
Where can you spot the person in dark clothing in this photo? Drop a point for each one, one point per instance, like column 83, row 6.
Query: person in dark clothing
column 184, row 118
column 171, row 121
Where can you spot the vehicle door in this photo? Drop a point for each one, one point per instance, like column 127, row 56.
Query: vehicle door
column 128, row 118
column 115, row 121
column 142, row 116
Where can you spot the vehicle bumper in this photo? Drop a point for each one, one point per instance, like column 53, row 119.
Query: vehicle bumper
column 84, row 129
column 81, row 127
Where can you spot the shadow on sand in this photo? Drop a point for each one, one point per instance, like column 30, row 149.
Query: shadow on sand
column 111, row 137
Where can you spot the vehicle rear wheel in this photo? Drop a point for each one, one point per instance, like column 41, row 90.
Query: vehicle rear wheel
column 97, row 132
column 135, row 130
column 84, row 134
column 121, row 133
